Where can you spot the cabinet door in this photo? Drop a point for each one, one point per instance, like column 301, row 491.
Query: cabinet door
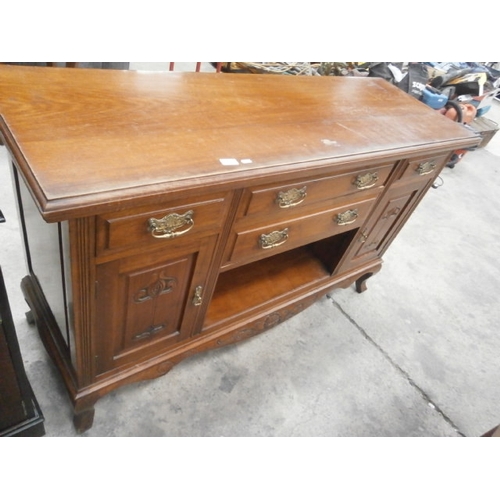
column 381, row 228
column 148, row 303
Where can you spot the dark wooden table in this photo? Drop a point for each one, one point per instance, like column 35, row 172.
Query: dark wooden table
column 20, row 414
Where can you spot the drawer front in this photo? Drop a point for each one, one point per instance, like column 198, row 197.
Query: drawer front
column 160, row 225
column 423, row 168
column 280, row 199
column 261, row 242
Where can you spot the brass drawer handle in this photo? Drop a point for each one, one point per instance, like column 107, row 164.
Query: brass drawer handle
column 347, row 217
column 168, row 226
column 365, row 181
column 274, row 239
column 291, row 198
column 426, row 167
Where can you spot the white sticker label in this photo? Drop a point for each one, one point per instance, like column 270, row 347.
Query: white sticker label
column 246, row 160
column 329, row 142
column 229, row 162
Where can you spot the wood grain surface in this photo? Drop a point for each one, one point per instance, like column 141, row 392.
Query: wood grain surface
column 92, row 138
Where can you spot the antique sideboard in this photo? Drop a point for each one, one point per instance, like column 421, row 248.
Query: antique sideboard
column 165, row 214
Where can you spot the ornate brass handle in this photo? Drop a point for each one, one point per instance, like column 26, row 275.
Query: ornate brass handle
column 365, row 181
column 347, row 217
column 363, row 237
column 291, row 198
column 198, row 299
column 274, row 239
column 426, row 167
column 168, row 226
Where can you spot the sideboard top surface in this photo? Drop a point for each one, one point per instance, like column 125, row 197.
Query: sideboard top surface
column 86, row 138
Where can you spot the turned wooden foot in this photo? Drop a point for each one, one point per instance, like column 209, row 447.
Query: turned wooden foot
column 84, row 419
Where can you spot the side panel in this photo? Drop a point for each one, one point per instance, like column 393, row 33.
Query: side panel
column 47, row 256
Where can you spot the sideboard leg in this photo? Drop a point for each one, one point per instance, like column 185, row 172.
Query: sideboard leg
column 30, row 318
column 361, row 282
column 83, row 420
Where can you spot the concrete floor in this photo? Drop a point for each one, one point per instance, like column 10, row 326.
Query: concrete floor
column 415, row 355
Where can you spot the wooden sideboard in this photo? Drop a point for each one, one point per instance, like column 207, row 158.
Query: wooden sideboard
column 165, row 214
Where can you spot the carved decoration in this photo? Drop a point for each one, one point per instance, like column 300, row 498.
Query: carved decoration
column 164, row 367
column 164, row 284
column 149, row 332
column 392, row 213
column 263, row 324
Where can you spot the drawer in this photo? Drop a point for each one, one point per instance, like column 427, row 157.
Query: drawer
column 284, row 198
column 257, row 243
column 423, row 168
column 160, row 224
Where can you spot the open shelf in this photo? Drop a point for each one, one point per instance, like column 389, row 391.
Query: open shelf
column 246, row 288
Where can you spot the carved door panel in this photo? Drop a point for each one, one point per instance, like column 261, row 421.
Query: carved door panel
column 392, row 211
column 372, row 239
column 146, row 304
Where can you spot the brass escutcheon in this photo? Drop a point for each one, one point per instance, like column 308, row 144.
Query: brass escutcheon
column 198, row 299
column 291, row 198
column 274, row 239
column 168, row 225
column 365, row 181
column 347, row 217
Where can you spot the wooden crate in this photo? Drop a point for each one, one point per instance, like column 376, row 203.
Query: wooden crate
column 486, row 128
